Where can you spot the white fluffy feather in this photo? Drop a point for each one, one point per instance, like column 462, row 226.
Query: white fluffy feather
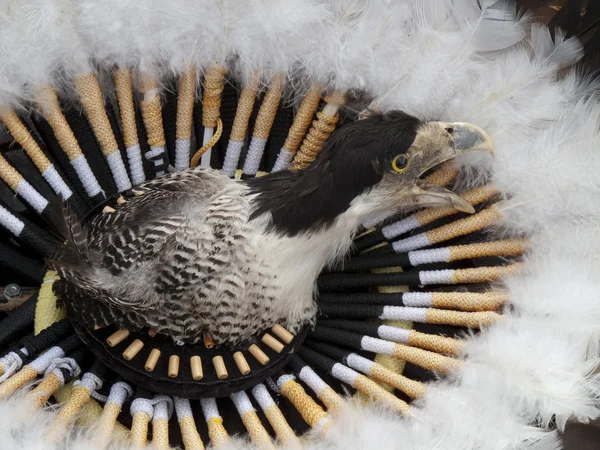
column 269, row 36
column 359, row 38
column 188, row 32
column 125, row 33
column 105, row 27
column 11, row 86
column 44, row 42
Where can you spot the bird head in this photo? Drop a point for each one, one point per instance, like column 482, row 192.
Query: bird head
column 396, row 150
column 374, row 164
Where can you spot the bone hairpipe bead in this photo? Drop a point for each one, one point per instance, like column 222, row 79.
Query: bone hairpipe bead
column 220, row 368
column 152, row 360
column 196, row 366
column 282, row 333
column 258, row 354
column 117, row 337
column 273, row 343
column 133, row 349
column 173, row 366
column 241, row 362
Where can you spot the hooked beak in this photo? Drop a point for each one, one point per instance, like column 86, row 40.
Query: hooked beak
column 470, row 138
column 430, row 195
column 466, row 138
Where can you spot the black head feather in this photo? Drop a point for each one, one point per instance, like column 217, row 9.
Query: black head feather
column 353, row 159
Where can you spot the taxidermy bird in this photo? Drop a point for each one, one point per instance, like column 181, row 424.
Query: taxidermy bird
column 196, row 252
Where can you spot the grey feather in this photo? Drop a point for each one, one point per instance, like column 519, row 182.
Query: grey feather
column 178, row 259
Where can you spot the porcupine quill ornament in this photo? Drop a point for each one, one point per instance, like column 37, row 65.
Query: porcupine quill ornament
column 226, row 15
column 126, row 38
column 191, row 37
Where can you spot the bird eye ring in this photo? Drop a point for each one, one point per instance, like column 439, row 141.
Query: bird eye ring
column 400, row 163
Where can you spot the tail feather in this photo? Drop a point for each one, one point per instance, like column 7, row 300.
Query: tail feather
column 73, row 259
column 80, row 268
column 70, row 229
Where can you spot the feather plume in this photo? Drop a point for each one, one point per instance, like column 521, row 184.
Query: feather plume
column 125, row 33
column 445, row 41
column 11, row 86
column 496, row 27
column 188, row 31
column 359, row 39
column 44, row 42
column 567, row 149
column 105, row 26
column 558, row 52
column 269, row 36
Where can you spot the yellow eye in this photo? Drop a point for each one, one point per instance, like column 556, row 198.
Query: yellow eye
column 400, row 163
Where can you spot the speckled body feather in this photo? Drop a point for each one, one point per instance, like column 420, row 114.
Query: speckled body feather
column 183, row 258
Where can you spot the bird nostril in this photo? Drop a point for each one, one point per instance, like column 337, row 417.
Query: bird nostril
column 450, row 130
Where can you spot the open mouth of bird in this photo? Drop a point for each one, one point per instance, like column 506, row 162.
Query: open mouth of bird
column 429, row 188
